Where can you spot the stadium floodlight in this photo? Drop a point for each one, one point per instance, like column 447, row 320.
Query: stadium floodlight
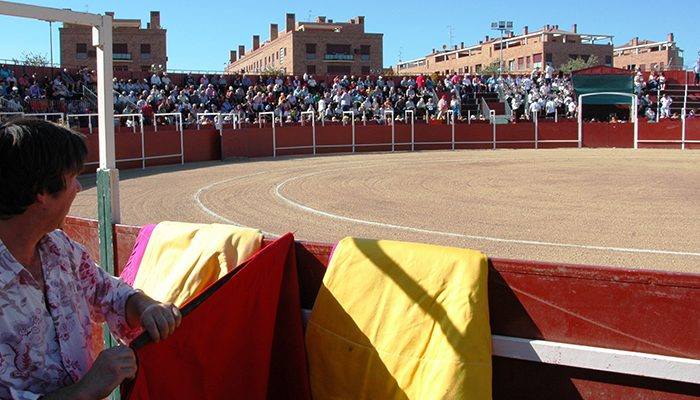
column 504, row 27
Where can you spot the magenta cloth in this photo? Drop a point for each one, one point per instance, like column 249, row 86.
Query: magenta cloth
column 243, row 341
column 134, row 262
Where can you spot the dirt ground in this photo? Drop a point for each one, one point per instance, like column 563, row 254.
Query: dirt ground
column 608, row 207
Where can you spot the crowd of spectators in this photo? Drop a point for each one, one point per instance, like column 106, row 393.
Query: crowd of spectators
column 198, row 99
column 287, row 97
column 290, row 99
column 32, row 94
column 654, row 102
column 540, row 94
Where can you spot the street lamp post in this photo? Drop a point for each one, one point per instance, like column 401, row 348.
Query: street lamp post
column 503, row 26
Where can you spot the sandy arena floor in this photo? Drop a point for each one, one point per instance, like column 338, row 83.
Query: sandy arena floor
column 610, row 207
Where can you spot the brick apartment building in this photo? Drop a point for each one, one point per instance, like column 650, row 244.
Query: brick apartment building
column 647, row 55
column 320, row 47
column 134, row 49
column 521, row 53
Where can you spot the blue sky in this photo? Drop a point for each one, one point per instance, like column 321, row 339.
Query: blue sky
column 201, row 35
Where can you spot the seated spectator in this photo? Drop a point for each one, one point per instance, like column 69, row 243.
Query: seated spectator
column 35, row 90
column 156, row 81
column 639, row 84
column 23, row 82
column 68, row 80
column 4, row 72
column 165, row 80
column 59, row 90
column 203, row 81
column 653, row 83
column 662, row 81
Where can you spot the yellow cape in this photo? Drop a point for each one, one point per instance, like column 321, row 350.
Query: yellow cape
column 401, row 321
column 182, row 259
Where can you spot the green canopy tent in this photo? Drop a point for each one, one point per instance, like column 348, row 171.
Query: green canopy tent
column 600, row 84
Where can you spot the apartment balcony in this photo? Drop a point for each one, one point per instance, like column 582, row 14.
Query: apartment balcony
column 338, row 58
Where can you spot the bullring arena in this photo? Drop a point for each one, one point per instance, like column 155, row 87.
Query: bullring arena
column 607, row 207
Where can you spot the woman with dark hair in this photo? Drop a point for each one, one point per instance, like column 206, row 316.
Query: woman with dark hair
column 50, row 289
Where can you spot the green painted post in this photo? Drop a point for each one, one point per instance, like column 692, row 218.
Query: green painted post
column 104, row 217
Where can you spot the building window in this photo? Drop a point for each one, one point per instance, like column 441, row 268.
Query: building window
column 608, row 60
column 537, row 60
column 527, row 64
column 338, row 52
column 145, row 51
column 81, row 51
column 364, row 53
column 521, row 62
column 310, row 69
column 120, row 51
column 585, row 57
column 477, row 68
column 338, row 69
column 145, row 68
column 281, row 57
column 511, row 65
column 548, row 57
column 573, row 56
column 311, row 51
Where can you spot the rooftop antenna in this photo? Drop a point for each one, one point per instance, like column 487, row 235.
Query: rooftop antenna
column 451, row 35
column 309, row 15
column 400, row 53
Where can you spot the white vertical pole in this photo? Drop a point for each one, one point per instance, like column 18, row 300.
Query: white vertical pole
column 102, row 40
column 580, row 121
column 636, row 121
column 492, row 117
column 683, row 128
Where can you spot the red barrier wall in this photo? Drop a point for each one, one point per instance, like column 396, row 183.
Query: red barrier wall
column 198, row 145
column 634, row 310
column 208, row 144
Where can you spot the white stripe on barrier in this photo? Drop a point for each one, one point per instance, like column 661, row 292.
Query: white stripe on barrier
column 598, row 358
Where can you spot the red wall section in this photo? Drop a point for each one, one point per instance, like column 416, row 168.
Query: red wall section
column 603, row 134
column 259, row 142
column 208, row 144
column 202, row 145
column 234, row 143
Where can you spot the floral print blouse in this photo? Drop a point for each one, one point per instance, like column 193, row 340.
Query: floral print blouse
column 46, row 342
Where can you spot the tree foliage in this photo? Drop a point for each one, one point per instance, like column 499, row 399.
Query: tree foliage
column 491, row 69
column 34, row 60
column 272, row 72
column 577, row 64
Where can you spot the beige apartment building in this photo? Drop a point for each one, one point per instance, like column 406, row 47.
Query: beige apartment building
column 320, row 47
column 134, row 49
column 521, row 53
column 648, row 56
